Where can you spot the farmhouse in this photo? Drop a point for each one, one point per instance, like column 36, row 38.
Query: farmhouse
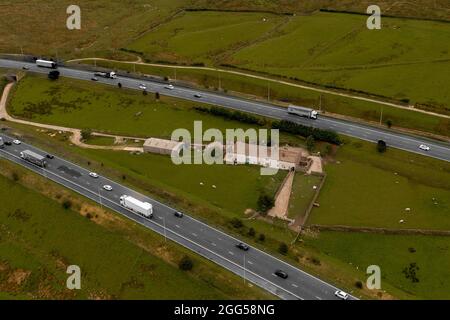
column 289, row 158
column 161, row 146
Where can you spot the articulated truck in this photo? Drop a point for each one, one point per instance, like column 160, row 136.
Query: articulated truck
column 108, row 75
column 46, row 64
column 34, row 158
column 303, row 112
column 144, row 209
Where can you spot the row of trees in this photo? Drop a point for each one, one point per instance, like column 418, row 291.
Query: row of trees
column 304, row 131
column 233, row 115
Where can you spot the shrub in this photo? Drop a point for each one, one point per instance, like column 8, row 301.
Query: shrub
column 262, row 237
column 237, row 223
column 265, row 203
column 186, row 264
column 15, row 176
column 359, row 284
column 283, row 248
column 86, row 134
column 67, row 204
column 381, row 146
column 251, row 232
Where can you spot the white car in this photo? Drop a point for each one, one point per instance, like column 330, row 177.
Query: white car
column 424, row 147
column 17, row 142
column 169, row 86
column 341, row 295
column 93, row 174
column 142, row 87
column 107, row 187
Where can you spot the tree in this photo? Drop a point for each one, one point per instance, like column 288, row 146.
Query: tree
column 53, row 75
column 119, row 85
column 265, row 203
column 144, row 92
column 389, row 123
column 283, row 248
column 157, row 95
column 262, row 237
column 237, row 223
column 86, row 134
column 251, row 232
column 67, row 204
column 381, row 146
column 310, row 143
column 186, row 264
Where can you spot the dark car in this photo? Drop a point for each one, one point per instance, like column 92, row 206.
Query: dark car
column 49, row 156
column 281, row 274
column 8, row 143
column 178, row 214
column 94, row 79
column 242, row 246
column 197, row 95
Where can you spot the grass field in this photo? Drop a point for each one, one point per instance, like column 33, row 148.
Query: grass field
column 365, row 188
column 199, row 36
column 39, row 239
column 302, row 194
column 79, row 104
column 393, row 254
column 410, row 62
column 40, row 29
column 345, row 56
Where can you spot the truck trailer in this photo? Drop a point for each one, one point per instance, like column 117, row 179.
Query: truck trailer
column 142, row 208
column 34, row 158
column 109, row 75
column 303, row 112
column 46, row 64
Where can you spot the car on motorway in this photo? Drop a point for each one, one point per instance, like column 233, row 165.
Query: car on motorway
column 169, row 86
column 94, row 79
column 17, row 142
column 107, row 187
column 142, row 86
column 8, row 143
column 49, row 156
column 93, row 175
column 197, row 95
column 281, row 274
column 178, row 214
column 424, row 147
column 341, row 294
column 25, row 68
column 242, row 246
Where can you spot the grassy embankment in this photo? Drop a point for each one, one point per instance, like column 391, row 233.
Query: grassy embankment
column 118, row 259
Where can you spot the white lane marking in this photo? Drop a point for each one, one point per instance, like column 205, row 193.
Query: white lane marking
column 231, row 253
column 194, row 234
column 249, row 262
column 177, row 226
column 319, row 298
column 213, row 244
column 294, row 285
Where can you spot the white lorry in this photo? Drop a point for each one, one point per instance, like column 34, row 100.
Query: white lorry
column 303, row 112
column 34, row 158
column 46, row 64
column 109, row 75
column 143, row 208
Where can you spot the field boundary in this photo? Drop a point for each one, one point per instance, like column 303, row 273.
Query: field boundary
column 387, row 231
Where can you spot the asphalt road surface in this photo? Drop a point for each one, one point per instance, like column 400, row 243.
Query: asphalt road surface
column 253, row 265
column 439, row 150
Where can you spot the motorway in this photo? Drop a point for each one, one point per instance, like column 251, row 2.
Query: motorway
column 253, row 265
column 438, row 150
